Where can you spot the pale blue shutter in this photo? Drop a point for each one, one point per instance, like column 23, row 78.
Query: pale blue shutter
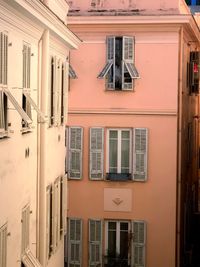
column 138, row 244
column 75, row 152
column 140, row 141
column 96, row 153
column 75, row 243
column 95, row 243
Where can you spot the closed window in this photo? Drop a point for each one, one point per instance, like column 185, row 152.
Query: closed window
column 3, row 114
column 126, row 154
column 3, row 245
column 119, row 70
column 95, row 243
column 75, row 152
column 25, row 228
column 75, row 242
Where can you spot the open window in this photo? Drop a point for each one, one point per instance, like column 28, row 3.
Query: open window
column 120, row 70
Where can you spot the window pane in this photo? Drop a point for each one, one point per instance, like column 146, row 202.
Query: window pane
column 112, row 239
column 113, row 151
column 124, row 241
column 125, row 152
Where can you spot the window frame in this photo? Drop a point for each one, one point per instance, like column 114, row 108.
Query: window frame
column 119, row 139
column 3, row 245
column 118, row 222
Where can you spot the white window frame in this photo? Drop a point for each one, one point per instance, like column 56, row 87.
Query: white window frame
column 119, row 130
column 3, row 245
column 3, row 58
column 117, row 235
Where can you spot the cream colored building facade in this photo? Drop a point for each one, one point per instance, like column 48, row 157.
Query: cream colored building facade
column 34, row 51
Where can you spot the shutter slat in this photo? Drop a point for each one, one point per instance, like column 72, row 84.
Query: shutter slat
column 96, row 153
column 140, row 137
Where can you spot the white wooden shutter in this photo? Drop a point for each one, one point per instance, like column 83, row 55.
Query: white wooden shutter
column 75, row 243
column 55, row 215
column 29, row 260
column 48, row 218
column 138, row 244
column 96, row 153
column 3, row 58
column 95, row 243
column 25, row 227
column 75, row 152
column 140, row 143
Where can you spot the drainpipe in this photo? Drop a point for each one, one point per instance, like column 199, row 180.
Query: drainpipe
column 43, row 145
column 179, row 133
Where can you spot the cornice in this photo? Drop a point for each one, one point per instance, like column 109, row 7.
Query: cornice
column 40, row 13
column 122, row 112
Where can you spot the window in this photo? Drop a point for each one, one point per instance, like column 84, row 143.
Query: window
column 75, row 152
column 125, row 243
column 194, row 72
column 193, row 2
column 25, row 228
column 57, row 92
column 26, row 81
column 3, row 114
column 3, row 245
column 75, row 242
column 126, row 154
column 95, row 243
column 119, row 70
column 118, row 245
column 55, row 215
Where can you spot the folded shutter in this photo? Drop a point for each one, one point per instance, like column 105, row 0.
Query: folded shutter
column 96, row 153
column 128, row 62
column 75, row 243
column 2, row 110
column 95, row 243
column 140, row 139
column 138, row 244
column 72, row 73
column 75, row 152
column 29, row 260
column 48, row 206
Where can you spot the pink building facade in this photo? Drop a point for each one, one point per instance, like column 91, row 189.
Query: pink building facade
column 132, row 132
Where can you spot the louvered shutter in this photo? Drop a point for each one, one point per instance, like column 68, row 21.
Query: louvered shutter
column 128, row 67
column 75, row 152
column 110, row 56
column 138, row 244
column 3, row 246
column 95, row 243
column 1, row 58
column 25, row 227
column 48, row 206
column 140, row 141
column 2, row 115
column 96, row 153
column 55, row 215
column 28, row 71
column 75, row 243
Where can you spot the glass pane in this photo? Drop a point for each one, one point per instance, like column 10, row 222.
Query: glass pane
column 112, row 243
column 112, row 225
column 125, row 152
column 124, row 241
column 118, row 63
column 113, row 151
column 124, row 226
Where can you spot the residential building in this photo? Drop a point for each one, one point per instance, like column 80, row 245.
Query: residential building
column 133, row 134
column 34, row 52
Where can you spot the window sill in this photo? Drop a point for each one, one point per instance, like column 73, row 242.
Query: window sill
column 119, row 90
column 26, row 130
column 4, row 135
column 119, row 177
